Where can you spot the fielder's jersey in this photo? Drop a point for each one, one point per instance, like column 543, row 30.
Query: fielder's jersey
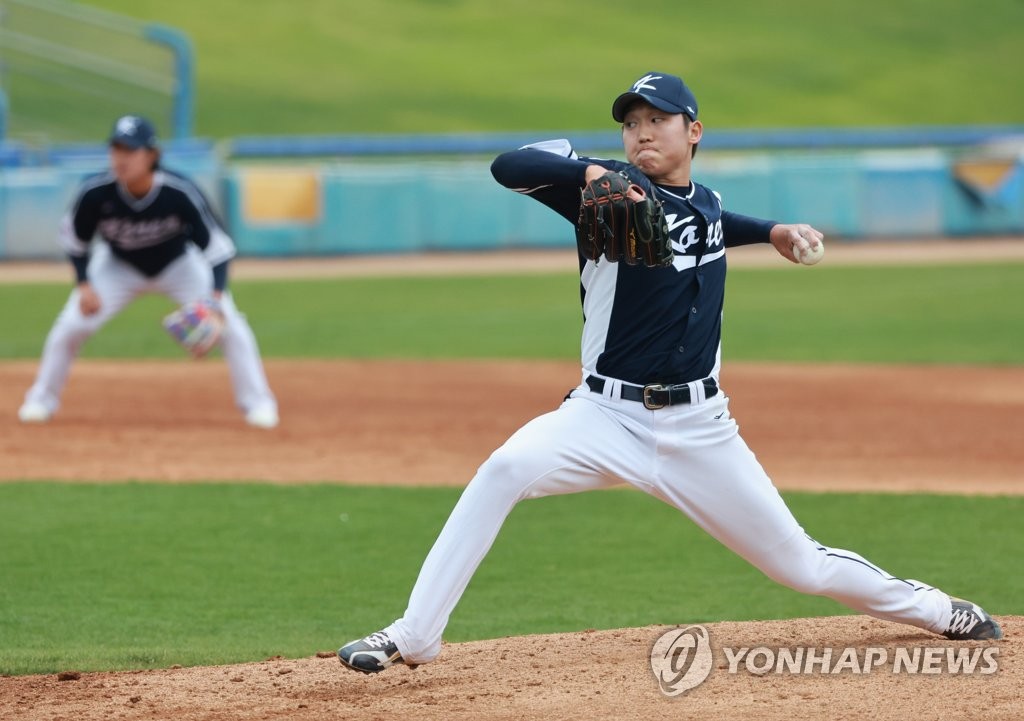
column 150, row 232
column 643, row 325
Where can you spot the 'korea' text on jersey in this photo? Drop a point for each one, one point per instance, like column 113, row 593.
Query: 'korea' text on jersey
column 643, row 325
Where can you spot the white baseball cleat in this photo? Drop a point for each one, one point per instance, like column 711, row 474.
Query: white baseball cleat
column 372, row 654
column 970, row 622
column 34, row 412
column 262, row 417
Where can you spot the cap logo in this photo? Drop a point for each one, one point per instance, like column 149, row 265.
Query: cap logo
column 644, row 83
column 127, row 125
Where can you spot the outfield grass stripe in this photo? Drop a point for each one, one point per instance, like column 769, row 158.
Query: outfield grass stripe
column 321, row 71
column 934, row 314
column 148, row 575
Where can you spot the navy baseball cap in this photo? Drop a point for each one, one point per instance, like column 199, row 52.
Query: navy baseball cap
column 665, row 92
column 132, row 131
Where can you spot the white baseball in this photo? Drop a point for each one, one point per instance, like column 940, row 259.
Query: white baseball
column 810, row 256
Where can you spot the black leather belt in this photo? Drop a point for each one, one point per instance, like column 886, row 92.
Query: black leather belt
column 655, row 395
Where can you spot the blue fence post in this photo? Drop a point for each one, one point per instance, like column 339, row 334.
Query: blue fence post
column 4, row 108
column 184, row 70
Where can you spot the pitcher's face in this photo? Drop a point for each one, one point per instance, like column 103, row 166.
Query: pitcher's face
column 659, row 143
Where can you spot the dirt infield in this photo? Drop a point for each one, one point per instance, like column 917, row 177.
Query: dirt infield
column 871, row 252
column 589, row 675
column 944, row 429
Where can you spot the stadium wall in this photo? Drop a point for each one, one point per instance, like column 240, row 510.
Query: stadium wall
column 397, row 205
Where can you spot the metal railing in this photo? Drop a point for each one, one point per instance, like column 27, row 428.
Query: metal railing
column 67, row 70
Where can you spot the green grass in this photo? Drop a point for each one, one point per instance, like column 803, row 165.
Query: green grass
column 328, row 66
column 135, row 576
column 939, row 314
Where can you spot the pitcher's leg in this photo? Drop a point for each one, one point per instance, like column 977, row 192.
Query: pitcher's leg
column 561, row 452
column 810, row 567
column 717, row 481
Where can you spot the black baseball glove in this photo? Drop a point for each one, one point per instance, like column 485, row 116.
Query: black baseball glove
column 613, row 225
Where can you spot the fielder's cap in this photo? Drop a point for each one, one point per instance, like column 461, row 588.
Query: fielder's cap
column 665, row 92
column 132, row 131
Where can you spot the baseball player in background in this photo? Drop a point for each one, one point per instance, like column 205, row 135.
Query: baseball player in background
column 161, row 237
column 649, row 410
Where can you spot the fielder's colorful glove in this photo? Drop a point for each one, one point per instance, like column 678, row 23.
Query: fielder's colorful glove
column 196, row 326
column 619, row 228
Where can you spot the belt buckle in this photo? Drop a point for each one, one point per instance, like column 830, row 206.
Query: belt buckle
column 648, row 389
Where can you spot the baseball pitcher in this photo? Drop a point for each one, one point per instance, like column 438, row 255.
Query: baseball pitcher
column 649, row 410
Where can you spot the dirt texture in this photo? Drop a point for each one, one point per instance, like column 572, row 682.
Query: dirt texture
column 839, row 252
column 586, row 675
column 828, row 427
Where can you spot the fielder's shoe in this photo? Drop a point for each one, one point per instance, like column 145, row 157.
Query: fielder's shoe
column 970, row 623
column 262, row 417
column 372, row 654
column 34, row 412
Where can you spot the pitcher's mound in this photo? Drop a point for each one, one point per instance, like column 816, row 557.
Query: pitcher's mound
column 586, row 675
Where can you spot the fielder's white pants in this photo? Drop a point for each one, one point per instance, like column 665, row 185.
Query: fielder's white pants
column 690, row 456
column 117, row 284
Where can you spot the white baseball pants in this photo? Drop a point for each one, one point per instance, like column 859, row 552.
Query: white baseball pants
column 691, row 457
column 117, row 284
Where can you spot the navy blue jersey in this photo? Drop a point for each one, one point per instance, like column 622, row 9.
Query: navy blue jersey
column 643, row 325
column 148, row 233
